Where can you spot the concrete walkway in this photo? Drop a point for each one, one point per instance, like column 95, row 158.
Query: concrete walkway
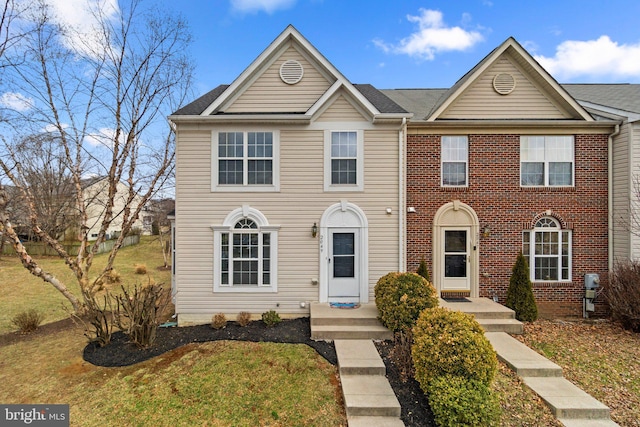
column 368, row 398
column 572, row 406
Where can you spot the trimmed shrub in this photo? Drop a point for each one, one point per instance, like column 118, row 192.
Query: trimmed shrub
column 520, row 292
column 219, row 321
column 400, row 297
column 27, row 321
column 243, row 318
column 449, row 342
column 140, row 269
column 623, row 295
column 457, row 401
column 423, row 270
column 271, row 318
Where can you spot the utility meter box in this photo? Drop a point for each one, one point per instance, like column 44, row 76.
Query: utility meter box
column 591, row 281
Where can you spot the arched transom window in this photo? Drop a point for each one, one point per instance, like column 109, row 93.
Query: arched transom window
column 547, row 248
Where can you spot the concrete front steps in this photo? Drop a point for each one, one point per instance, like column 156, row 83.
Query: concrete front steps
column 492, row 316
column 350, row 323
column 369, row 399
column 572, row 406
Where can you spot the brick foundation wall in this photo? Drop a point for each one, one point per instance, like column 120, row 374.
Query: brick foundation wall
column 500, row 203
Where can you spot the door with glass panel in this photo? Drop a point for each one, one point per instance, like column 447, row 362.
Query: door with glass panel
column 456, row 259
column 343, row 263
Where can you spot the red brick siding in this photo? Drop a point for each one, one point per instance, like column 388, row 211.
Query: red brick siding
column 495, row 194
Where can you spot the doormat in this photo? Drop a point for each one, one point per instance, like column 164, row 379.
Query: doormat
column 456, row 300
column 344, row 305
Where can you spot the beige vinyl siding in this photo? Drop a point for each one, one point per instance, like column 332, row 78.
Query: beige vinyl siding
column 481, row 101
column 341, row 111
column 621, row 192
column 269, row 94
column 634, row 187
column 299, row 204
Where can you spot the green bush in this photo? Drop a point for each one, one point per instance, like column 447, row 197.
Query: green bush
column 423, row 270
column 457, row 401
column 520, row 292
column 27, row 321
column 400, row 297
column 449, row 342
column 271, row 318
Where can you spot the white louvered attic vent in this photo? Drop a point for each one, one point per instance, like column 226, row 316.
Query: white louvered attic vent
column 504, row 83
column 291, row 72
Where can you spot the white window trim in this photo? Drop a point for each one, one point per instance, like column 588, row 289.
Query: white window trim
column 546, row 165
column 466, row 165
column 274, row 187
column 532, row 241
column 359, row 185
column 227, row 227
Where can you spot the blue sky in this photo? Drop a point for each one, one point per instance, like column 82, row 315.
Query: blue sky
column 408, row 44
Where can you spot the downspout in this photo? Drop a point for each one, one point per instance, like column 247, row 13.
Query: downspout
column 610, row 233
column 402, row 211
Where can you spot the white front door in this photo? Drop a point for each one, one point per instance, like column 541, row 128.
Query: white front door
column 456, row 259
column 343, row 264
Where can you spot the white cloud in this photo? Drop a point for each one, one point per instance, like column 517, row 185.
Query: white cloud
column 268, row 6
column 79, row 18
column 599, row 58
column 432, row 37
column 50, row 128
column 104, row 137
column 16, row 101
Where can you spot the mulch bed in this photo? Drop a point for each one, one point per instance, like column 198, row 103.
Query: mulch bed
column 415, row 410
column 121, row 352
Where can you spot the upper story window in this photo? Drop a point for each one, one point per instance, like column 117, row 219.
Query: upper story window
column 455, row 161
column 547, row 249
column 246, row 161
column 344, row 161
column 546, row 161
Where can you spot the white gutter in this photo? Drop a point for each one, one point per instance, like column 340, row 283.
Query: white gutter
column 610, row 234
column 402, row 188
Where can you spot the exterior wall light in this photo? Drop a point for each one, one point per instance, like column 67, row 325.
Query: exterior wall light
column 486, row 231
column 314, row 230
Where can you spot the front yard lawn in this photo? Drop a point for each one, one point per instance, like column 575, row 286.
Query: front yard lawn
column 598, row 356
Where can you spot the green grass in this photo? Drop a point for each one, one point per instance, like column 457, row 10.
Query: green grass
column 22, row 291
column 223, row 383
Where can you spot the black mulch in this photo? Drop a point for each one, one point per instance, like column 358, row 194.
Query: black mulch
column 120, row 352
column 415, row 411
column 414, row 407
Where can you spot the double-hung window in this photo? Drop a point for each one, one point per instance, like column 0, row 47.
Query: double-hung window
column 546, row 161
column 547, row 249
column 344, row 161
column 245, row 160
column 245, row 253
column 454, row 156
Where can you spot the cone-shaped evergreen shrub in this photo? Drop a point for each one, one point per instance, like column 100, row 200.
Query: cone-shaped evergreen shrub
column 520, row 293
column 423, row 270
column 400, row 297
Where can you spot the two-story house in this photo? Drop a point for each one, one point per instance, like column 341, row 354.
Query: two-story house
column 294, row 185
column 289, row 188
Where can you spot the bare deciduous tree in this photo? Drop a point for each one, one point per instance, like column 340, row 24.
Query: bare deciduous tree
column 104, row 95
